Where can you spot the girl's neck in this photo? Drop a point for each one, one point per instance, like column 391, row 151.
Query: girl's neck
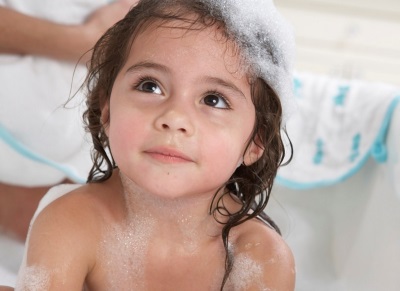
column 185, row 219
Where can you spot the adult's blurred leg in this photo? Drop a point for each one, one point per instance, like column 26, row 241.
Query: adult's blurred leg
column 17, row 206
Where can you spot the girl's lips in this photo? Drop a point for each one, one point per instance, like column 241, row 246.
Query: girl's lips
column 168, row 155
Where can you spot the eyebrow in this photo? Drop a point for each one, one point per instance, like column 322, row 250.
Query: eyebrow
column 147, row 65
column 228, row 85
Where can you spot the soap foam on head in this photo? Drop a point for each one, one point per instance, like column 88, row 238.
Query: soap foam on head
column 265, row 39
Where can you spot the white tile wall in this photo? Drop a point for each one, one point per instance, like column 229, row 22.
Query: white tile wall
column 347, row 38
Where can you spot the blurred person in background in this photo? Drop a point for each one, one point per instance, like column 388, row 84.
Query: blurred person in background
column 44, row 46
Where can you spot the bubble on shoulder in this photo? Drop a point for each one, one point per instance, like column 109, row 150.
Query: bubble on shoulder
column 255, row 233
column 33, row 278
column 246, row 273
column 258, row 251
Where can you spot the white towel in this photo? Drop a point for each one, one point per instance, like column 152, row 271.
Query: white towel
column 338, row 126
column 7, row 278
column 11, row 254
column 41, row 143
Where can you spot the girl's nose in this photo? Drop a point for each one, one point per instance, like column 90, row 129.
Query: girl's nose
column 175, row 118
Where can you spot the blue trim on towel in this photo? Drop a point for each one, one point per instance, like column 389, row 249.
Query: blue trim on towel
column 26, row 152
column 378, row 151
column 297, row 85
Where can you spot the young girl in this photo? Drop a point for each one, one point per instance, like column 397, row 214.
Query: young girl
column 184, row 112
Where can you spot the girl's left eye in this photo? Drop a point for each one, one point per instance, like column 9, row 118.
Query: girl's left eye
column 149, row 86
column 216, row 100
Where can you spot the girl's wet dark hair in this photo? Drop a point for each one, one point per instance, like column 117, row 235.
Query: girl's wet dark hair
column 250, row 184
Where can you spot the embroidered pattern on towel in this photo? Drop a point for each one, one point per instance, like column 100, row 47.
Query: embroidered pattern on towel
column 338, row 126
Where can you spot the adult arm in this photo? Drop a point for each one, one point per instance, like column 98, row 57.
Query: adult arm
column 23, row 34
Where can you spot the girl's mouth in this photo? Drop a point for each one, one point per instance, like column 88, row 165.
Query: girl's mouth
column 168, row 155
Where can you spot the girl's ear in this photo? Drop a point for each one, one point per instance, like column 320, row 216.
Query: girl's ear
column 105, row 118
column 252, row 154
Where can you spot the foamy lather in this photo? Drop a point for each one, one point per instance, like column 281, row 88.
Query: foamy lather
column 266, row 40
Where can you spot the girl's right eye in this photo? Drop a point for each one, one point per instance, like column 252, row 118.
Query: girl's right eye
column 148, row 86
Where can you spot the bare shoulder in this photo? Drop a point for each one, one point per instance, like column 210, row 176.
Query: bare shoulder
column 79, row 204
column 78, row 214
column 61, row 245
column 266, row 256
column 83, row 206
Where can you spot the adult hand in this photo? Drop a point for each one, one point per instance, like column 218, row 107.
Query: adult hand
column 103, row 18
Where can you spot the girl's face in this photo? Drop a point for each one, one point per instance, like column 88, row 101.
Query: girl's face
column 180, row 113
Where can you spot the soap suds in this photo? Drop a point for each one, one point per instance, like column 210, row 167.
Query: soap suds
column 266, row 40
column 124, row 250
column 33, row 278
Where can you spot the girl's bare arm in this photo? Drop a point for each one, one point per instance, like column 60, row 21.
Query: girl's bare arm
column 61, row 247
